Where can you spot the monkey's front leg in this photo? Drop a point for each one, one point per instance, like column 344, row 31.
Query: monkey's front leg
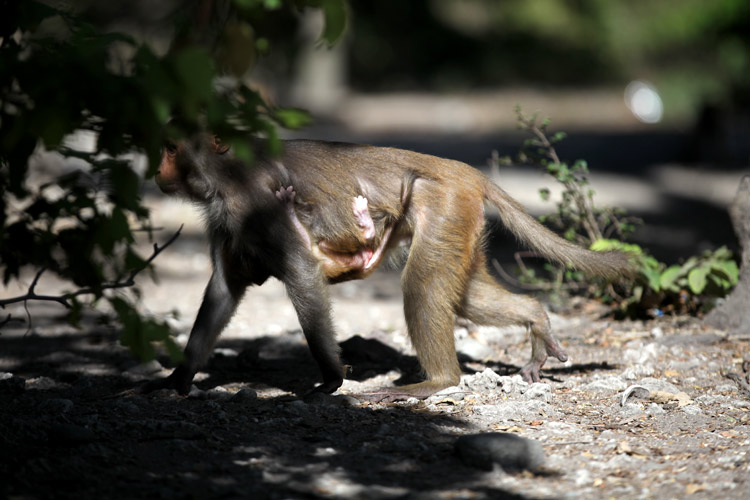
column 308, row 291
column 219, row 303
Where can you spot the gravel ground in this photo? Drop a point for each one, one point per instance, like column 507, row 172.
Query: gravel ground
column 641, row 410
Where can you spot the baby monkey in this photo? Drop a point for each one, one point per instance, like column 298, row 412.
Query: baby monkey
column 325, row 212
column 335, row 263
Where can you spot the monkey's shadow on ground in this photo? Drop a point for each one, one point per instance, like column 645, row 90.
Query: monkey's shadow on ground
column 68, row 434
column 265, row 361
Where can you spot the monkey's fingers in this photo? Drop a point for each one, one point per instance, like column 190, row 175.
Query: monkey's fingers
column 360, row 204
column 531, row 371
column 286, row 195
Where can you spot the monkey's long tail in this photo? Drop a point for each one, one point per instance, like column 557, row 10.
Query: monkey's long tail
column 609, row 265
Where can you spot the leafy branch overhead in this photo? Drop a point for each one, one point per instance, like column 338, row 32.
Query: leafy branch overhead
column 61, row 75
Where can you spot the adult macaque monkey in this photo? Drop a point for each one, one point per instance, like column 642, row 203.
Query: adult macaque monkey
column 328, row 212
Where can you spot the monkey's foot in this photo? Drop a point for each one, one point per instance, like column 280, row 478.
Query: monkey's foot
column 328, row 387
column 531, row 371
column 179, row 380
column 362, row 214
column 555, row 349
column 421, row 390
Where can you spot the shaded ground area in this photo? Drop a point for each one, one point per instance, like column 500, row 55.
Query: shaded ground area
column 69, row 428
column 246, row 431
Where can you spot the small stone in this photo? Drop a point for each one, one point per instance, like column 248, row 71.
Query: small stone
column 509, row 451
column 196, row 393
column 655, row 409
column 634, row 391
column 485, row 381
column 692, row 409
column 218, row 393
column 42, row 383
column 540, row 391
column 244, row 395
column 606, row 384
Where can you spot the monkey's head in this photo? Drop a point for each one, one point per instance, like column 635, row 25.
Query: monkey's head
column 188, row 166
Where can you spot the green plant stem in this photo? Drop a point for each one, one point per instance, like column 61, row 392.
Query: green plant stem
column 584, row 205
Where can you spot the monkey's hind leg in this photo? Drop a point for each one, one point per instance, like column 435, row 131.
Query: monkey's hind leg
column 487, row 303
column 437, row 269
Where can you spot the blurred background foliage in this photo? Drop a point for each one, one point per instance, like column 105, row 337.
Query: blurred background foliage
column 694, row 51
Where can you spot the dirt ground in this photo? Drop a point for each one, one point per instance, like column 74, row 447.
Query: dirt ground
column 68, row 431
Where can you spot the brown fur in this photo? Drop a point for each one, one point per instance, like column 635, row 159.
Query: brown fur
column 432, row 205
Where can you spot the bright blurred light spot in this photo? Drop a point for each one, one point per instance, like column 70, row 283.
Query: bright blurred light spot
column 644, row 102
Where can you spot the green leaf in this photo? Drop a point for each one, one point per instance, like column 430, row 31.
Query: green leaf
column 242, row 150
column 292, row 118
column 689, row 264
column 721, row 253
column 335, row 15
column 722, row 283
column 697, row 279
column 195, row 68
column 653, row 278
column 668, row 279
column 557, row 137
column 605, row 245
column 729, row 269
column 162, row 109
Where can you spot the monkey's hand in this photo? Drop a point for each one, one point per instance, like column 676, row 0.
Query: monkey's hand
column 364, row 220
column 286, row 196
column 179, row 380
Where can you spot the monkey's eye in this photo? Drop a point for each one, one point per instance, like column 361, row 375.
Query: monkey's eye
column 170, row 148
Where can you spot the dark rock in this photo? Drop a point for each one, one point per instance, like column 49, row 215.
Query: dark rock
column 510, row 451
column 11, row 385
column 244, row 395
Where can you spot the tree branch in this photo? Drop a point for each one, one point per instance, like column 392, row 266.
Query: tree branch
column 65, row 299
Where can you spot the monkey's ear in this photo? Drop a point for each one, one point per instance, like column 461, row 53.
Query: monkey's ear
column 219, row 148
